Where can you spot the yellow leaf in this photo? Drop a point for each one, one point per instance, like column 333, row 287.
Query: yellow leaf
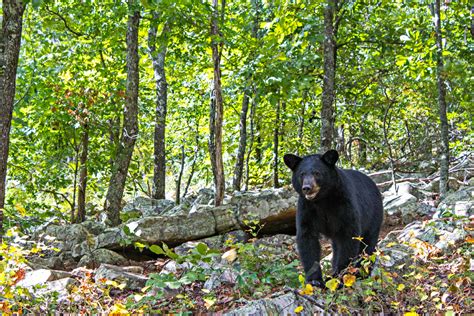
column 137, row 297
column 470, row 239
column 299, row 309
column 332, row 284
column 230, row 255
column 411, row 314
column 359, row 238
column 400, row 287
column 208, row 302
column 348, row 279
column 307, row 290
column 118, row 309
column 20, row 209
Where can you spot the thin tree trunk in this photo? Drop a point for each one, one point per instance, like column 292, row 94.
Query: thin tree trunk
column 74, row 182
column 444, row 157
column 130, row 123
column 239, row 163
column 158, row 60
column 81, row 197
column 276, row 134
column 302, row 120
column 362, row 148
column 340, row 142
column 253, row 108
column 328, row 95
column 180, row 176
column 10, row 40
column 215, row 144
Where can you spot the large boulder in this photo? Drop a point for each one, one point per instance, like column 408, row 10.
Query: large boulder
column 144, row 207
column 279, row 304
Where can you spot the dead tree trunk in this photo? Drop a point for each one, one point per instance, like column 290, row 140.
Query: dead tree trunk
column 217, row 108
column 130, row 123
column 158, row 60
column 10, row 40
column 328, row 95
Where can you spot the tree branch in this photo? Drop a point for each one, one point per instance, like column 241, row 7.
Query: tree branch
column 66, row 25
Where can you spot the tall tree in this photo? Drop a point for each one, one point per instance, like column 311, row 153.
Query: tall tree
column 217, row 106
column 444, row 157
column 158, row 60
column 328, row 95
column 129, row 133
column 10, row 40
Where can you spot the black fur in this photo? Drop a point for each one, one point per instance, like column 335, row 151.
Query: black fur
column 341, row 204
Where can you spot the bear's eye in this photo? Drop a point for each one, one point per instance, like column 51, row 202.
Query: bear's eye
column 316, row 173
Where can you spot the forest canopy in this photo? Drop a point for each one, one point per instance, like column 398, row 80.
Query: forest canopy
column 222, row 91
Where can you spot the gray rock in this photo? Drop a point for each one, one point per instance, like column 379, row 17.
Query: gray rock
column 133, row 281
column 99, row 256
column 459, row 203
column 94, row 227
column 275, row 207
column 440, row 234
column 68, row 236
column 45, row 263
column 60, row 286
column 403, row 205
column 280, row 304
column 144, row 207
column 41, row 276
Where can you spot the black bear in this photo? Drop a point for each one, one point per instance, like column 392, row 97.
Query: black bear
column 341, row 204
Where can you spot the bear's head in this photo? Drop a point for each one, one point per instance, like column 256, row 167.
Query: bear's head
column 313, row 175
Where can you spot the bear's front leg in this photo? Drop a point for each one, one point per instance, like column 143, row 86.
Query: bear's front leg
column 344, row 250
column 309, row 250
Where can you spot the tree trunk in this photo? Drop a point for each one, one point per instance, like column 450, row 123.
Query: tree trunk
column 253, row 108
column 216, row 119
column 328, row 95
column 10, row 40
column 444, row 157
column 362, row 147
column 130, row 123
column 302, row 120
column 81, row 197
column 276, row 134
column 180, row 177
column 239, row 163
column 158, row 60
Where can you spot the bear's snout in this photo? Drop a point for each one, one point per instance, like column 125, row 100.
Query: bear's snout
column 309, row 188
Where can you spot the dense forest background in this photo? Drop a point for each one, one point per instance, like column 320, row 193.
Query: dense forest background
column 159, row 98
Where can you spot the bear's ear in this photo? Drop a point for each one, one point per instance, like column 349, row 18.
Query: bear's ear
column 330, row 157
column 292, row 161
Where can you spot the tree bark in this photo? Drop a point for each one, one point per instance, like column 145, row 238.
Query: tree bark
column 180, row 176
column 81, row 197
column 444, row 152
column 158, row 60
column 217, row 116
column 10, row 41
column 328, row 95
column 239, row 163
column 130, row 123
column 276, row 134
column 253, row 109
